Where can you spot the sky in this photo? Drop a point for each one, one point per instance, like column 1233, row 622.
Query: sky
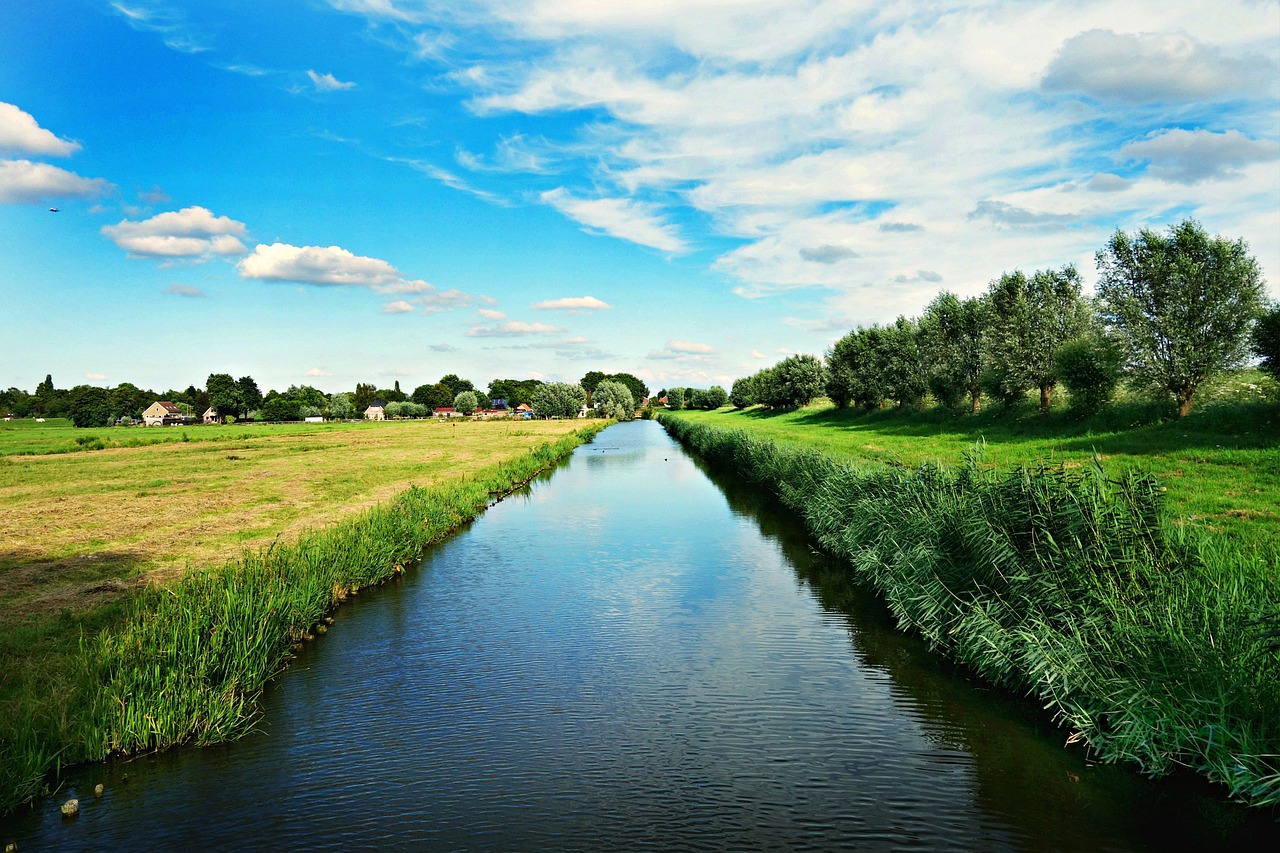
column 348, row 191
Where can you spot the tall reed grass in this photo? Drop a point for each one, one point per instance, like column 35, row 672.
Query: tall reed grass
column 189, row 661
column 1153, row 643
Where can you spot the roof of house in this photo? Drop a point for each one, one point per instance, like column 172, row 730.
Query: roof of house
column 168, row 407
column 444, row 408
column 524, row 407
column 378, row 404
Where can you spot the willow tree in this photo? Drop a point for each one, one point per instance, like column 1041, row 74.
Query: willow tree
column 951, row 335
column 1182, row 304
column 1030, row 318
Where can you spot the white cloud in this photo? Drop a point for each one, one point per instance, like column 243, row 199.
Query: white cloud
column 490, row 314
column 571, row 303
column 627, row 219
column 327, row 82
column 1191, row 156
column 21, row 134
column 187, row 290
column 689, row 347
column 513, row 328
column 1140, row 67
column 397, row 307
column 193, row 232
column 320, row 265
column 95, row 376
column 827, row 254
column 25, row 182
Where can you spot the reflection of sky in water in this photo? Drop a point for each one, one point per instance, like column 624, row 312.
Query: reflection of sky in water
column 620, row 659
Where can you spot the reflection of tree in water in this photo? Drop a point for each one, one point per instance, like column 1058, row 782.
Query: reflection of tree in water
column 1023, row 774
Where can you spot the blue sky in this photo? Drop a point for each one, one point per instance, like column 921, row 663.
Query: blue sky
column 378, row 190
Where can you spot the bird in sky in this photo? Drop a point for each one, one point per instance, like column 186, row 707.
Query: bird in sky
column 53, row 210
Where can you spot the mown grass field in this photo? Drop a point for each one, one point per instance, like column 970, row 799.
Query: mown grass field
column 1221, row 464
column 80, row 526
column 87, row 537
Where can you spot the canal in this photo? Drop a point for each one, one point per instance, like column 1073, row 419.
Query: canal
column 633, row 654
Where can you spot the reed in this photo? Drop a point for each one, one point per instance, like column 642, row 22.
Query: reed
column 1149, row 641
column 188, row 662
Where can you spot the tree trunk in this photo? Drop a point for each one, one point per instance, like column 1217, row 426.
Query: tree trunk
column 1046, row 397
column 1184, row 401
column 976, row 396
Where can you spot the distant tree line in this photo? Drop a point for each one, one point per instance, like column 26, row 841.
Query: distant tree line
column 239, row 399
column 1171, row 310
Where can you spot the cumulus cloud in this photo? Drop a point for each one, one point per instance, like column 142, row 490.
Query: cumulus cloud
column 397, row 307
column 25, row 182
column 187, row 290
column 318, row 372
column 327, row 82
column 490, row 314
column 571, row 303
column 689, row 347
column 95, row 376
column 513, row 329
column 827, row 254
column 625, row 218
column 918, row 275
column 190, row 233
column 1142, row 67
column 1191, row 156
column 21, row 134
column 319, row 265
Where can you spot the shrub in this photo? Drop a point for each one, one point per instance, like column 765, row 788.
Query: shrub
column 1090, row 368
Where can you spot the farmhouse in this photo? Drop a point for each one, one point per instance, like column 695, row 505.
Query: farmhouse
column 211, row 416
column 376, row 411
column 161, row 412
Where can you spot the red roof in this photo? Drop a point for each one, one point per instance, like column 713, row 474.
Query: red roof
column 170, row 407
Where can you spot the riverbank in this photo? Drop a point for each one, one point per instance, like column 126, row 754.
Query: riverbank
column 185, row 661
column 1148, row 640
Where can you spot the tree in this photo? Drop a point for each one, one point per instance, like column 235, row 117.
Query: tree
column 280, row 408
column 340, row 406
column 466, row 402
column 363, row 397
column 613, row 400
column 456, row 385
column 250, row 396
column 1266, row 341
column 224, row 393
column 1030, row 319
column 558, row 400
column 855, row 367
column 675, row 399
column 743, row 393
column 1182, row 304
column 1090, row 368
column 591, row 380
column 634, row 384
column 951, row 337
column 89, row 406
column 793, row 382
column 904, row 376
column 716, row 397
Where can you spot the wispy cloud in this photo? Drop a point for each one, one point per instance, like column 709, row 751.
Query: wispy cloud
column 190, row 291
column 513, row 328
column 327, row 82
column 627, row 219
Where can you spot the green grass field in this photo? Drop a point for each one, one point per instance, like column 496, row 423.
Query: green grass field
column 1221, row 464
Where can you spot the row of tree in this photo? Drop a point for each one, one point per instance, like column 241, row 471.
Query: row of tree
column 1171, row 310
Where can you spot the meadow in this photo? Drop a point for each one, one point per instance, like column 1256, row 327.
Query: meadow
column 149, row 591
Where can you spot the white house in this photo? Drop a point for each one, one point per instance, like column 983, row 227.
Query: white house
column 376, row 411
column 211, row 416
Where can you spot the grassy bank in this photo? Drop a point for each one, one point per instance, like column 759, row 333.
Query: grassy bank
column 1151, row 642
column 186, row 660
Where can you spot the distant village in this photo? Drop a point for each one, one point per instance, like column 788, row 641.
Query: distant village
column 167, row 413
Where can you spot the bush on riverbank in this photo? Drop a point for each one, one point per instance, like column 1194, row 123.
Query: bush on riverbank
column 1149, row 641
column 189, row 661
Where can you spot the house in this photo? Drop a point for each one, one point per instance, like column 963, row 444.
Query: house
column 447, row 412
column 498, row 404
column 211, row 416
column 376, row 411
column 524, row 407
column 161, row 412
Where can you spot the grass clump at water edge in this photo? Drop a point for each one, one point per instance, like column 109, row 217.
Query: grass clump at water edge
column 1152, row 642
column 188, row 662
